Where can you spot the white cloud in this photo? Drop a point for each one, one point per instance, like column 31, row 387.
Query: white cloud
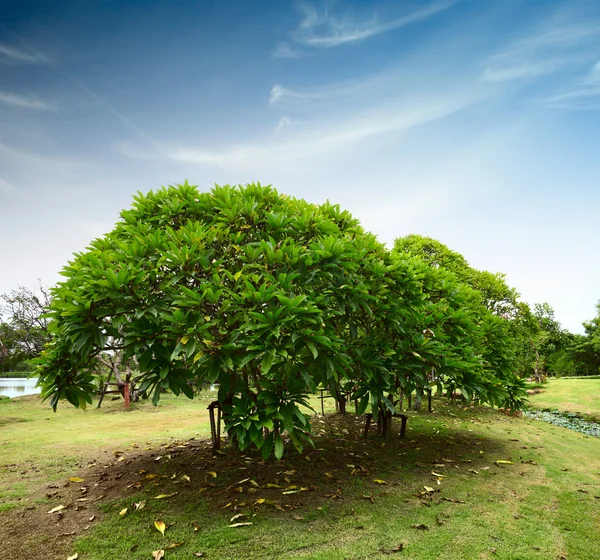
column 283, row 122
column 525, row 70
column 584, row 92
column 20, row 55
column 26, row 102
column 280, row 94
column 325, row 30
column 323, row 136
column 283, row 50
column 545, row 51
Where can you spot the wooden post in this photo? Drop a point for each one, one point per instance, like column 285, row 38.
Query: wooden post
column 104, row 389
column 322, row 403
column 404, row 419
column 215, row 427
column 368, row 424
column 126, row 395
column 429, row 401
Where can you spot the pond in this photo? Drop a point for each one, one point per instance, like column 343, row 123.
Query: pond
column 566, row 420
column 18, row 387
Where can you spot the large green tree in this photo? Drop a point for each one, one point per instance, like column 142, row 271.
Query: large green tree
column 269, row 296
column 265, row 294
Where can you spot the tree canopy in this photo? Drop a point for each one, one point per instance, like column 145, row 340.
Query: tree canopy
column 270, row 296
column 24, row 330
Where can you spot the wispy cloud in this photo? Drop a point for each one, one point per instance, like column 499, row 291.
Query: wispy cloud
column 20, row 55
column 280, row 95
column 585, row 94
column 283, row 122
column 545, row 51
column 323, row 29
column 26, row 102
column 321, row 137
column 283, row 50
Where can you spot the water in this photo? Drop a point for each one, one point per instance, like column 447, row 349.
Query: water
column 18, row 387
column 566, row 420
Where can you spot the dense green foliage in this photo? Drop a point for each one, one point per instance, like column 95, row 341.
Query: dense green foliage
column 271, row 296
column 23, row 327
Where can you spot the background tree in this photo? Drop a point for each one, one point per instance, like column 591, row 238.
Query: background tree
column 586, row 348
column 24, row 328
column 484, row 341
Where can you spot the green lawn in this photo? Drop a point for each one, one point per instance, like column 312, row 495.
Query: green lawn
column 439, row 493
column 579, row 395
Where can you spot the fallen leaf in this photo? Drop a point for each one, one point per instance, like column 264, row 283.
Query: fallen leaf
column 158, row 554
column 198, row 554
column 186, row 478
column 123, row 512
column 243, row 524
column 57, row 509
column 74, row 557
column 398, row 548
column 500, row 462
column 298, row 518
column 438, row 475
column 213, row 474
column 473, row 471
column 140, row 505
column 160, row 526
column 379, row 481
column 453, row 500
column 428, row 489
column 76, row 479
column 174, row 545
column 163, row 496
column 421, row 526
column 237, row 517
column 151, row 476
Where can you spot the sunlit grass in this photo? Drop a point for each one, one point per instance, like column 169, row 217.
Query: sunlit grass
column 580, row 395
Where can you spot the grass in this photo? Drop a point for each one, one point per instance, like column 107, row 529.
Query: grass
column 576, row 395
column 545, row 504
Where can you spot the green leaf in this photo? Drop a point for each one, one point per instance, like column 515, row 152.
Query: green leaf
column 313, row 349
column 278, row 447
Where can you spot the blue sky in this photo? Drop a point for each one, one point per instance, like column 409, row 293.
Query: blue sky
column 474, row 122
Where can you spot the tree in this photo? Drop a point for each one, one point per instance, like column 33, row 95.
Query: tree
column 268, row 295
column 241, row 286
column 25, row 330
column 483, row 342
column 586, row 348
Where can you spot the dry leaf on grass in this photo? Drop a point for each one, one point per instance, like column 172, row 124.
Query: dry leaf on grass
column 57, row 509
column 160, row 526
